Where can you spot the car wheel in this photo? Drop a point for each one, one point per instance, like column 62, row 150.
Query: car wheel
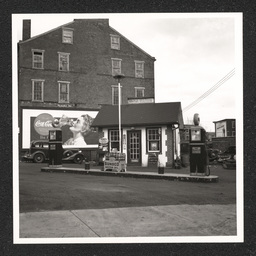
column 38, row 158
column 78, row 159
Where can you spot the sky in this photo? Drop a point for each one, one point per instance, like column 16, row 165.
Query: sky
column 193, row 52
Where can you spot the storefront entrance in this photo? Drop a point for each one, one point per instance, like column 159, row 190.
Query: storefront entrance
column 134, row 147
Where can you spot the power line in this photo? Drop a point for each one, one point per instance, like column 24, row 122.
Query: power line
column 223, row 80
column 212, row 89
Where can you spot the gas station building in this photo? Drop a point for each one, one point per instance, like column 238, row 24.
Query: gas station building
column 148, row 129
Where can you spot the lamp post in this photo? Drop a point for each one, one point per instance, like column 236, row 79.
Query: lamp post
column 119, row 77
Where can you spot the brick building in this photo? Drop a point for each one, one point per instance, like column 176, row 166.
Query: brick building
column 70, row 68
column 225, row 134
column 225, row 128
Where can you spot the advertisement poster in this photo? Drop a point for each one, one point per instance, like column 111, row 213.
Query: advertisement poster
column 75, row 126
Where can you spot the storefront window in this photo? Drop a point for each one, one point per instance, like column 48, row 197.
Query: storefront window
column 114, row 140
column 154, row 139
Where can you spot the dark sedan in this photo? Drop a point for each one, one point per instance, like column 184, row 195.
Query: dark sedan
column 39, row 152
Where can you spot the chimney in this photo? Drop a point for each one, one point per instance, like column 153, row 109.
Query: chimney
column 26, row 29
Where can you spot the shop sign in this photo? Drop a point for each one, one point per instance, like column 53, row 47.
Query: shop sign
column 103, row 144
column 103, row 140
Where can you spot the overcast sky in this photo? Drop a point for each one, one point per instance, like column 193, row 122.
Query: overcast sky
column 193, row 53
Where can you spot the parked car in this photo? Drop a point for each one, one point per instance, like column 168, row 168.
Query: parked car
column 39, row 152
column 229, row 163
column 212, row 154
column 230, row 153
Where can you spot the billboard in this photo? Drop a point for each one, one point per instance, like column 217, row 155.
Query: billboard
column 75, row 126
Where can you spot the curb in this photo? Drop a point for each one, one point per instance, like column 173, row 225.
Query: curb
column 168, row 176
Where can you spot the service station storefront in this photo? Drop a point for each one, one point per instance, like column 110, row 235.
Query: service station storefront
column 148, row 130
column 140, row 143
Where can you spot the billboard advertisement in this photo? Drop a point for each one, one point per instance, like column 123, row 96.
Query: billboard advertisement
column 75, row 126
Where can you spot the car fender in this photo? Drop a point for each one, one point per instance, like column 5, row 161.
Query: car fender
column 71, row 157
column 67, row 153
column 38, row 151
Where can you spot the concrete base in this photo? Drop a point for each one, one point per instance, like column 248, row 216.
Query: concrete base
column 149, row 175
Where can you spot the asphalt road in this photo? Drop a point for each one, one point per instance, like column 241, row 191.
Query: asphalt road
column 40, row 191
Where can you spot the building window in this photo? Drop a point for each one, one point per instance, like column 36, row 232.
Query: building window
column 63, row 92
column 114, row 139
column 37, row 90
column 154, row 139
column 233, row 124
column 115, row 42
column 67, row 36
column 233, row 133
column 38, row 59
column 63, row 61
column 116, row 66
column 115, row 95
column 139, row 69
column 139, row 92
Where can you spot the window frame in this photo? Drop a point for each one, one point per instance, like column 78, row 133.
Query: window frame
column 42, row 59
column 113, row 68
column 69, row 30
column 61, row 54
column 33, row 90
column 113, row 45
column 113, row 141
column 138, row 89
column 68, row 91
column 154, row 140
column 137, row 70
column 113, row 88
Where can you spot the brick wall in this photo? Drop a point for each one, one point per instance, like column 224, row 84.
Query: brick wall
column 222, row 143
column 90, row 66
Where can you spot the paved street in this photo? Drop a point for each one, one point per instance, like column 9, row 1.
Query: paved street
column 97, row 206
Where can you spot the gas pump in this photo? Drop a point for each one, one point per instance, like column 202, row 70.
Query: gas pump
column 55, row 148
column 197, row 149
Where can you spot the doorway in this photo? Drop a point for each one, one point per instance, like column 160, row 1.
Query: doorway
column 134, row 148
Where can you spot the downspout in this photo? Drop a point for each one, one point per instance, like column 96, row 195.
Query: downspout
column 174, row 140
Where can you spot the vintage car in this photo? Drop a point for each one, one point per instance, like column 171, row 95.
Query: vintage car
column 38, row 153
column 227, row 154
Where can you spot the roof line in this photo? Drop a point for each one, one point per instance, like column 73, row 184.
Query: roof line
column 135, row 125
column 224, row 120
column 49, row 31
column 132, row 43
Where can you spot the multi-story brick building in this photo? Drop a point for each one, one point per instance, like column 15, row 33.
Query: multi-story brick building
column 70, row 68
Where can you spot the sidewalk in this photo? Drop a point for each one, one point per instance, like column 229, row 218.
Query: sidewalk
column 151, row 221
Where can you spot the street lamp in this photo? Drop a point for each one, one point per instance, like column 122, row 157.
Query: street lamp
column 119, row 77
